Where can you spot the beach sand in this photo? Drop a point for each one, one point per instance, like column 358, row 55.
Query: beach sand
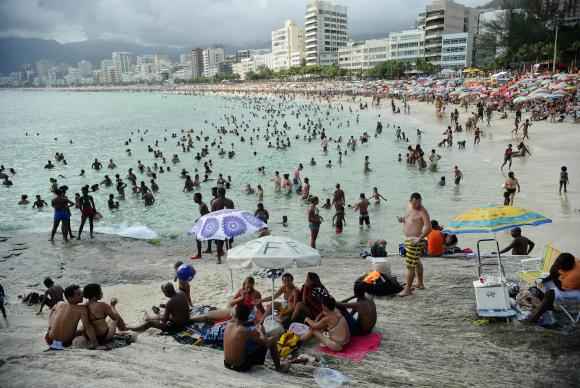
column 429, row 340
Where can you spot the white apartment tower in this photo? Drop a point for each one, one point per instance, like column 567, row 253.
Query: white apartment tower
column 122, row 62
column 325, row 30
column 212, row 57
column 445, row 17
column 287, row 45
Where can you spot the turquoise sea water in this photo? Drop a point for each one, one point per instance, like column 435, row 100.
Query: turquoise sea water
column 99, row 123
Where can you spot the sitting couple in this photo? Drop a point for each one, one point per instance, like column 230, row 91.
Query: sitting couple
column 439, row 243
column 64, row 318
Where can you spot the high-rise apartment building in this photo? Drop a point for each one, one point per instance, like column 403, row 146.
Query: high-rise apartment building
column 287, row 43
column 445, row 17
column 325, row 31
column 212, row 57
column 407, row 46
column 196, row 63
column 568, row 11
column 85, row 68
column 122, row 62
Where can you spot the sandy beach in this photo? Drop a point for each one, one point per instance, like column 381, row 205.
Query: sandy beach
column 429, row 340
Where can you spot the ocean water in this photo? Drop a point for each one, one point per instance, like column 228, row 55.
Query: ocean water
column 99, row 124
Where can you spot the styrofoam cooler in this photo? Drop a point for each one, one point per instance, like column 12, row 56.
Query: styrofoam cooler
column 492, row 298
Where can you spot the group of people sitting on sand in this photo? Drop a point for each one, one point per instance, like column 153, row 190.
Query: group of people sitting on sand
column 245, row 339
column 246, row 342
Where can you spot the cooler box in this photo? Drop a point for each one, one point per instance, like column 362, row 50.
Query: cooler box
column 492, row 298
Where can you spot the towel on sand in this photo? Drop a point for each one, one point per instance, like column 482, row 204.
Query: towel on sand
column 358, row 347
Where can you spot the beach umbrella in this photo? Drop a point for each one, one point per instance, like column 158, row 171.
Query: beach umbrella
column 226, row 224
column 494, row 219
column 272, row 252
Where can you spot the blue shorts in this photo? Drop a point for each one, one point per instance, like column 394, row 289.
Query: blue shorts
column 61, row 215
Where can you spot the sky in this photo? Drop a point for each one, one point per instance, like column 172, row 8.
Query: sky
column 188, row 23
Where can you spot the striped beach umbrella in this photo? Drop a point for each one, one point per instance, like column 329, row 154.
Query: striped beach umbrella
column 494, row 219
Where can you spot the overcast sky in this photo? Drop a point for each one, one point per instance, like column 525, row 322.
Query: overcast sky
column 189, row 22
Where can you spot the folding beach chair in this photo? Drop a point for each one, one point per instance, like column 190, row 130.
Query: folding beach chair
column 567, row 301
column 538, row 267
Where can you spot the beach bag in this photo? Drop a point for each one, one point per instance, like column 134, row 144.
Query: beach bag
column 381, row 285
column 287, row 343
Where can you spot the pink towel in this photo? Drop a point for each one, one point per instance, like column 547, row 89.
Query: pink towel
column 358, row 347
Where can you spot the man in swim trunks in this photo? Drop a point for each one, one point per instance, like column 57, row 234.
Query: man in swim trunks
column 245, row 346
column 176, row 314
column 64, row 320
column 416, row 226
column 338, row 198
column 363, row 313
column 61, row 204
column 363, row 208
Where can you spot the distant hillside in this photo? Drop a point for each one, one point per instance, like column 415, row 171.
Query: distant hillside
column 505, row 4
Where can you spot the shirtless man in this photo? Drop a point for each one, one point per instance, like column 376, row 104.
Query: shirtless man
column 60, row 203
column 54, row 294
column 64, row 320
column 338, row 199
column 416, row 226
column 176, row 313
column 362, row 207
column 245, row 347
column 363, row 315
column 511, row 185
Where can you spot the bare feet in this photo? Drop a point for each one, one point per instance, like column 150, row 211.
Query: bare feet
column 405, row 292
column 420, row 286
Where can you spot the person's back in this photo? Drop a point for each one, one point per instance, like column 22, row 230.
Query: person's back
column 235, row 340
column 55, row 294
column 64, row 320
column 435, row 243
column 178, row 308
column 367, row 315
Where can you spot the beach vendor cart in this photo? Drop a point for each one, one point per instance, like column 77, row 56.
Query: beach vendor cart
column 491, row 287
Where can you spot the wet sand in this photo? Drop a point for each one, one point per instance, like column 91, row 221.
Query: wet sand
column 429, row 340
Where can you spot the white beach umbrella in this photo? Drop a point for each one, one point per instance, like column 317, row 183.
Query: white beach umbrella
column 272, row 252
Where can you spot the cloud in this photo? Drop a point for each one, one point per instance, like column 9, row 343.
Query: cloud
column 189, row 23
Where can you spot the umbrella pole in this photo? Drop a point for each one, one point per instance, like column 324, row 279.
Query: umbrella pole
column 273, row 293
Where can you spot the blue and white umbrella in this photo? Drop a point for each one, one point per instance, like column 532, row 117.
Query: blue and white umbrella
column 226, row 224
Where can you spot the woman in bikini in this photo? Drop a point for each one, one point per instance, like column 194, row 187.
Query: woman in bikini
column 331, row 328
column 290, row 294
column 98, row 313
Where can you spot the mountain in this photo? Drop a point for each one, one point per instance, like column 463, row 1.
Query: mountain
column 505, row 4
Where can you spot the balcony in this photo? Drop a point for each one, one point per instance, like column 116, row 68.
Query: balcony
column 311, row 28
column 436, row 16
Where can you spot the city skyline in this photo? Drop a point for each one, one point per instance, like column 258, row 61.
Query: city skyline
column 190, row 23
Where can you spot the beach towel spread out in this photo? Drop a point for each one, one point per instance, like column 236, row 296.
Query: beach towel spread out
column 358, row 347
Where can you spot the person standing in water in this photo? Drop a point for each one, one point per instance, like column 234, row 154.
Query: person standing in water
column 458, row 175
column 511, row 185
column 314, row 221
column 88, row 211
column 60, row 204
column 564, row 179
column 362, row 207
column 416, row 226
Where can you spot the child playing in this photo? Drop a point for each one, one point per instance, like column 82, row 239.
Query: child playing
column 564, row 179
